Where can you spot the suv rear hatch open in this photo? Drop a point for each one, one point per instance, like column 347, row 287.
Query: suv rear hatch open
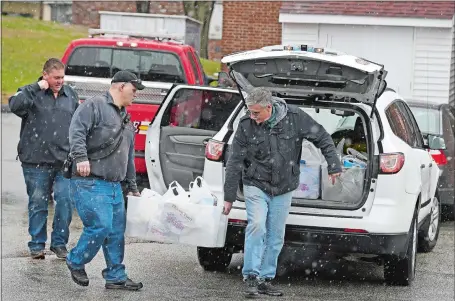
column 338, row 91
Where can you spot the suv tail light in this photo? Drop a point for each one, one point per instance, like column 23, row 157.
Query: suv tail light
column 391, row 163
column 438, row 156
column 214, row 150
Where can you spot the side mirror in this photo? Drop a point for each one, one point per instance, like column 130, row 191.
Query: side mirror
column 435, row 142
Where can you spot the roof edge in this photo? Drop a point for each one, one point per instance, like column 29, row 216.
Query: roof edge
column 364, row 20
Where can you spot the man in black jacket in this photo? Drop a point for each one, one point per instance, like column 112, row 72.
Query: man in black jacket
column 102, row 145
column 46, row 108
column 265, row 153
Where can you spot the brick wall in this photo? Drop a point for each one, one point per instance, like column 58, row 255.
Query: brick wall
column 215, row 50
column 250, row 24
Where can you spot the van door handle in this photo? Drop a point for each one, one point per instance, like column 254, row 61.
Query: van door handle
column 430, row 165
column 422, row 166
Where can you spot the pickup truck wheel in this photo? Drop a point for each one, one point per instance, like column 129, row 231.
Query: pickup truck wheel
column 401, row 271
column 214, row 259
column 429, row 236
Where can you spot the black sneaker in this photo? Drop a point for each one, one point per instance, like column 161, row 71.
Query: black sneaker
column 266, row 288
column 37, row 254
column 79, row 276
column 128, row 285
column 251, row 290
column 61, row 252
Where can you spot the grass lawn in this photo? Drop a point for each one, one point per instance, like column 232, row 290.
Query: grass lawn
column 27, row 43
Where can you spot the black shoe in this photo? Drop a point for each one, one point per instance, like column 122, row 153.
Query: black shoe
column 266, row 288
column 61, row 252
column 128, row 285
column 37, row 254
column 79, row 276
column 251, row 290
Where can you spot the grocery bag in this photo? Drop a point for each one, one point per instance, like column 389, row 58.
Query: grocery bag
column 201, row 194
column 311, row 154
column 309, row 181
column 195, row 224
column 348, row 188
column 176, row 192
column 140, row 211
column 172, row 218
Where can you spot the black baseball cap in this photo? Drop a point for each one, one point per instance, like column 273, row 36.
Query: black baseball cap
column 127, row 77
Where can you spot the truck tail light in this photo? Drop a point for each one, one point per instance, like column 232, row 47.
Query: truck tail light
column 439, row 157
column 391, row 163
column 214, row 150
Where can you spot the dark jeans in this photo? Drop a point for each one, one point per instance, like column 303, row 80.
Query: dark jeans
column 40, row 182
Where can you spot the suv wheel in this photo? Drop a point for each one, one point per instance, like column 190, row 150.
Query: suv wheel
column 429, row 236
column 214, row 259
column 401, row 271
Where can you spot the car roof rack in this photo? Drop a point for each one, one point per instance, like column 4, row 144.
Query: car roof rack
column 133, row 34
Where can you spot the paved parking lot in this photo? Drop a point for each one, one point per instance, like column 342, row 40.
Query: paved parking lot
column 171, row 272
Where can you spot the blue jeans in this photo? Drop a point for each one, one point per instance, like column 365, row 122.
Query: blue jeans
column 265, row 230
column 101, row 208
column 39, row 182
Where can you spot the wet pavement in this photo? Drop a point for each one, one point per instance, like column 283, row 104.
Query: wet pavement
column 172, row 272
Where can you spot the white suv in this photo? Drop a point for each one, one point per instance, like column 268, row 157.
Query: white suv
column 396, row 209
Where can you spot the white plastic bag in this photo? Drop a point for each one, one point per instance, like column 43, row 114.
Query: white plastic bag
column 201, row 194
column 196, row 225
column 348, row 188
column 311, row 154
column 176, row 192
column 309, row 182
column 140, row 211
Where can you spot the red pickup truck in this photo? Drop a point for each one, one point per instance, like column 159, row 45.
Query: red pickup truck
column 158, row 61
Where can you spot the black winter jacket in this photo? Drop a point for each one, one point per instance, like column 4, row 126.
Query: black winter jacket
column 268, row 158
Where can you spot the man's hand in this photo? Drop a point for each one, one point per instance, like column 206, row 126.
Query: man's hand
column 83, row 168
column 334, row 176
column 43, row 84
column 134, row 193
column 227, row 207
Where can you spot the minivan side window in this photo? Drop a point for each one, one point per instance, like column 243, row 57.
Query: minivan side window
column 200, row 109
column 397, row 121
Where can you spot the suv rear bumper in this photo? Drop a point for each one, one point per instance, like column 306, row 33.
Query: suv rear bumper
column 330, row 239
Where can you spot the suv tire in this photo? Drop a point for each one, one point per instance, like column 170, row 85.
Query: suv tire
column 401, row 271
column 214, row 259
column 429, row 236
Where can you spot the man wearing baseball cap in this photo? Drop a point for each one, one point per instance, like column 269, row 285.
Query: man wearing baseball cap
column 101, row 140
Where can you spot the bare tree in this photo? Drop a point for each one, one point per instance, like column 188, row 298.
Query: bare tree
column 201, row 11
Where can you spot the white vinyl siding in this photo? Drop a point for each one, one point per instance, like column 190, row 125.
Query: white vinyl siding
column 293, row 33
column 420, row 60
column 452, row 68
column 432, row 60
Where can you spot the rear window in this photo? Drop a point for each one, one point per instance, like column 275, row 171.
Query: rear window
column 428, row 120
column 105, row 62
column 200, row 109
